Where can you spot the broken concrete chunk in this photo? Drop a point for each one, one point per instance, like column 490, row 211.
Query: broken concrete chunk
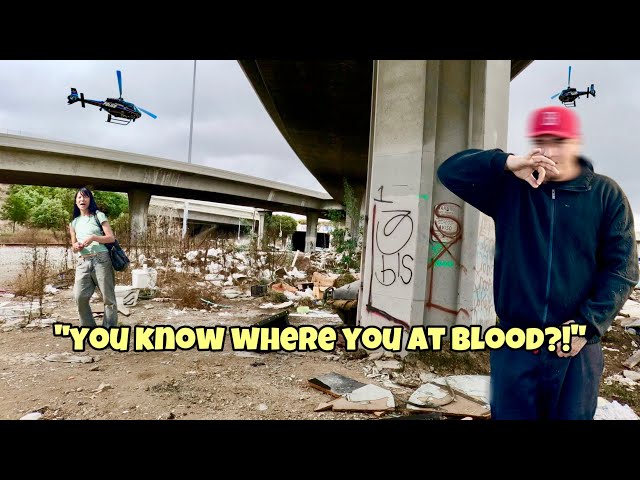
column 614, row 411
column 632, row 375
column 630, row 322
column 430, row 395
column 369, row 393
column 388, row 365
column 68, row 358
column 633, row 360
column 32, row 416
column 475, row 386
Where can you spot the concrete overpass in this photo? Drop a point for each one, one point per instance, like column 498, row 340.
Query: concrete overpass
column 386, row 126
column 32, row 161
column 323, row 110
column 203, row 212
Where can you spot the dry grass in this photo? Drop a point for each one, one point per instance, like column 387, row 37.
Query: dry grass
column 186, row 291
column 449, row 362
column 29, row 236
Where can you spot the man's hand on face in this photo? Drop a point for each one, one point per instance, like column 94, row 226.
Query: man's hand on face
column 524, row 166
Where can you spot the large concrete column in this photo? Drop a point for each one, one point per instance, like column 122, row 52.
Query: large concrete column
column 311, row 235
column 261, row 224
column 421, row 264
column 138, row 210
column 354, row 211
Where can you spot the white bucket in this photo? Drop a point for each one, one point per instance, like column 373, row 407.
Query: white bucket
column 126, row 295
column 140, row 278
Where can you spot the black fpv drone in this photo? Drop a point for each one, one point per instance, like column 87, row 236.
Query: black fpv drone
column 120, row 112
column 569, row 95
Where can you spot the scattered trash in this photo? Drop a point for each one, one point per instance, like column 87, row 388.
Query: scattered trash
column 277, row 306
column 335, row 384
column 258, row 290
column 126, row 295
column 32, row 416
column 279, row 320
column 633, row 360
column 614, row 411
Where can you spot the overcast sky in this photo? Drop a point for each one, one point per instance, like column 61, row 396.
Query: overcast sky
column 232, row 131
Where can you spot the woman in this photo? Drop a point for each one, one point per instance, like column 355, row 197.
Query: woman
column 94, row 267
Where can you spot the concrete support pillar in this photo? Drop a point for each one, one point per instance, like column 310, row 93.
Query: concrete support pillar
column 261, row 224
column 354, row 212
column 312, row 232
column 422, row 264
column 138, row 210
column 185, row 218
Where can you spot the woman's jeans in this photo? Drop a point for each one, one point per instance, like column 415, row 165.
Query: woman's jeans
column 92, row 272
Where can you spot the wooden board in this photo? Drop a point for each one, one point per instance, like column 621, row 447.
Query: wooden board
column 344, row 405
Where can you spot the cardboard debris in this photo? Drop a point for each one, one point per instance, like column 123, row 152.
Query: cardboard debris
column 455, row 395
column 324, row 279
column 379, row 405
column 324, row 406
column 368, row 398
column 462, row 406
column 283, row 287
column 304, row 285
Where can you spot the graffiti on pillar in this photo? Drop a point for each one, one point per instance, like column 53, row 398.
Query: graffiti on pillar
column 446, row 231
column 483, row 308
column 392, row 229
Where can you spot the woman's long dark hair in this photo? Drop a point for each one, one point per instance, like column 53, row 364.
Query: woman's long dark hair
column 92, row 202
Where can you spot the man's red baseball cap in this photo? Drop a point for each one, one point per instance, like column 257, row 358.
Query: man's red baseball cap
column 554, row 120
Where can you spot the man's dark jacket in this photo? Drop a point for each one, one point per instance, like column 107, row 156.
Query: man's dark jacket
column 564, row 251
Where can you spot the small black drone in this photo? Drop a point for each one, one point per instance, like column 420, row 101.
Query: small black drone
column 569, row 95
column 119, row 111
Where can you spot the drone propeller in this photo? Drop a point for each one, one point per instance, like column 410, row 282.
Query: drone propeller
column 148, row 113
column 119, row 82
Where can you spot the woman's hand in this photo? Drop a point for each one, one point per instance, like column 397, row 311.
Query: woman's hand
column 89, row 240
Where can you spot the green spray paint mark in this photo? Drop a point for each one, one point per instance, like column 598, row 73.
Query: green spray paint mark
column 436, row 248
column 424, row 196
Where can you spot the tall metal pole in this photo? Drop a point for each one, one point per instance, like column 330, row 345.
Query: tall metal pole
column 193, row 98
column 185, row 214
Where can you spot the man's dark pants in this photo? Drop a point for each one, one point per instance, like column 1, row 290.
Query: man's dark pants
column 535, row 386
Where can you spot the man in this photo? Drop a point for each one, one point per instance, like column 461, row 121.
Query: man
column 565, row 252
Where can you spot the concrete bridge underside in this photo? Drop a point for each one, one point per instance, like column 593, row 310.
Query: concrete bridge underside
column 31, row 161
column 385, row 127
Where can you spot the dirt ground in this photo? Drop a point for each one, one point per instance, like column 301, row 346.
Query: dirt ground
column 206, row 385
